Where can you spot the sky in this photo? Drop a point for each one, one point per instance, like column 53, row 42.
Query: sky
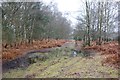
column 73, row 7
column 69, row 6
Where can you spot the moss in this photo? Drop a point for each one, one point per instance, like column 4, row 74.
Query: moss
column 17, row 73
column 63, row 66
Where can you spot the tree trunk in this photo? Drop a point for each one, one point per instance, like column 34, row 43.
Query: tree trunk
column 88, row 24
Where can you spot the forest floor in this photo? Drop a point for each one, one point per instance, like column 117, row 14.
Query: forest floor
column 62, row 64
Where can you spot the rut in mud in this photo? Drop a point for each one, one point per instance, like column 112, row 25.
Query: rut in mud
column 61, row 63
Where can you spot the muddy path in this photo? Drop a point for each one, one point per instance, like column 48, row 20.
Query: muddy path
column 23, row 61
column 65, row 66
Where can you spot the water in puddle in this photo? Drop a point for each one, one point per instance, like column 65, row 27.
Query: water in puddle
column 74, row 53
column 23, row 62
column 81, row 53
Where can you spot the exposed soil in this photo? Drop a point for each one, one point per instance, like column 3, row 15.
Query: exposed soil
column 11, row 53
column 21, row 61
column 66, row 66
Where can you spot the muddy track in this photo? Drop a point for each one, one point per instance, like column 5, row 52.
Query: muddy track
column 67, row 67
column 22, row 61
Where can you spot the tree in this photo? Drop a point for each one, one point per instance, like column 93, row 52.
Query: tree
column 23, row 22
column 98, row 23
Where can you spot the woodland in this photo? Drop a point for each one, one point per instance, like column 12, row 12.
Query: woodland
column 38, row 41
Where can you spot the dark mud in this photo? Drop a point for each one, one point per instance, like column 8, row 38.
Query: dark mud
column 23, row 61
